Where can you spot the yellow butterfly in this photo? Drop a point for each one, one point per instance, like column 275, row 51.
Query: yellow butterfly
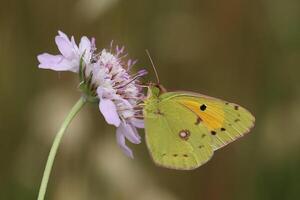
column 183, row 129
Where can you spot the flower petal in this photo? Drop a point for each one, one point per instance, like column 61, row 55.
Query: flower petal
column 122, row 144
column 48, row 59
column 136, row 133
column 106, row 93
column 130, row 133
column 139, row 123
column 62, row 34
column 55, row 62
column 85, row 45
column 65, row 46
column 74, row 43
column 69, row 65
column 109, row 111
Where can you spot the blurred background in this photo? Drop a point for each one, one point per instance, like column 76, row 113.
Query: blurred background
column 246, row 52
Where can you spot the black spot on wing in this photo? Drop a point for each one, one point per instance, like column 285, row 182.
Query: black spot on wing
column 203, row 107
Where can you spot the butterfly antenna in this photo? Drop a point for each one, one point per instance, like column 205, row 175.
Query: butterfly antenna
column 155, row 71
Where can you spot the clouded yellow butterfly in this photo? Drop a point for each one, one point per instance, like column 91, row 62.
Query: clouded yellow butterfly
column 183, row 129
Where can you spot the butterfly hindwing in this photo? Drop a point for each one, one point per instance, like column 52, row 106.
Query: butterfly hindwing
column 174, row 138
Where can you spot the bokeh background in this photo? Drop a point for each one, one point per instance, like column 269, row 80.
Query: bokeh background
column 244, row 51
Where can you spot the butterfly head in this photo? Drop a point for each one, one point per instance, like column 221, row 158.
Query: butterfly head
column 153, row 97
column 155, row 90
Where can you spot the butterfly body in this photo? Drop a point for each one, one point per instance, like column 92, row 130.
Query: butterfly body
column 183, row 129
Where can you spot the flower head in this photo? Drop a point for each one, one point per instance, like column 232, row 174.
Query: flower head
column 105, row 78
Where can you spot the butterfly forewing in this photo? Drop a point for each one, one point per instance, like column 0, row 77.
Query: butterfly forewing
column 225, row 121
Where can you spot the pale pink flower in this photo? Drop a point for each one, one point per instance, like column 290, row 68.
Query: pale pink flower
column 105, row 78
column 70, row 56
column 119, row 94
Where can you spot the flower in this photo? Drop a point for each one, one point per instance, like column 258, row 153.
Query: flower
column 70, row 55
column 105, row 78
column 119, row 94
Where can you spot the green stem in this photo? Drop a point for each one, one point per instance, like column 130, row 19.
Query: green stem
column 76, row 108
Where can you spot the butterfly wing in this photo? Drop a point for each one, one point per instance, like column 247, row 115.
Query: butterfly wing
column 173, row 138
column 225, row 121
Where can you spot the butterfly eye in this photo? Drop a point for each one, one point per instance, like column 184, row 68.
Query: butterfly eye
column 202, row 107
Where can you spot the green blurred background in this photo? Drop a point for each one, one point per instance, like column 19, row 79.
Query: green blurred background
column 244, row 51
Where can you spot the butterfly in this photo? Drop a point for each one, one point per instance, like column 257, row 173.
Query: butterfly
column 183, row 129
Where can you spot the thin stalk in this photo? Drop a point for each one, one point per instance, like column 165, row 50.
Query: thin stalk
column 76, row 108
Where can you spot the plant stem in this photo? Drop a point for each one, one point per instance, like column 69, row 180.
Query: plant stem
column 76, row 108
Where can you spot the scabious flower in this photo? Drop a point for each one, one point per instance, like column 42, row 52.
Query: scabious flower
column 104, row 78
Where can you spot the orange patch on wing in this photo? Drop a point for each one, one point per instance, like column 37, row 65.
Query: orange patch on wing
column 212, row 116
